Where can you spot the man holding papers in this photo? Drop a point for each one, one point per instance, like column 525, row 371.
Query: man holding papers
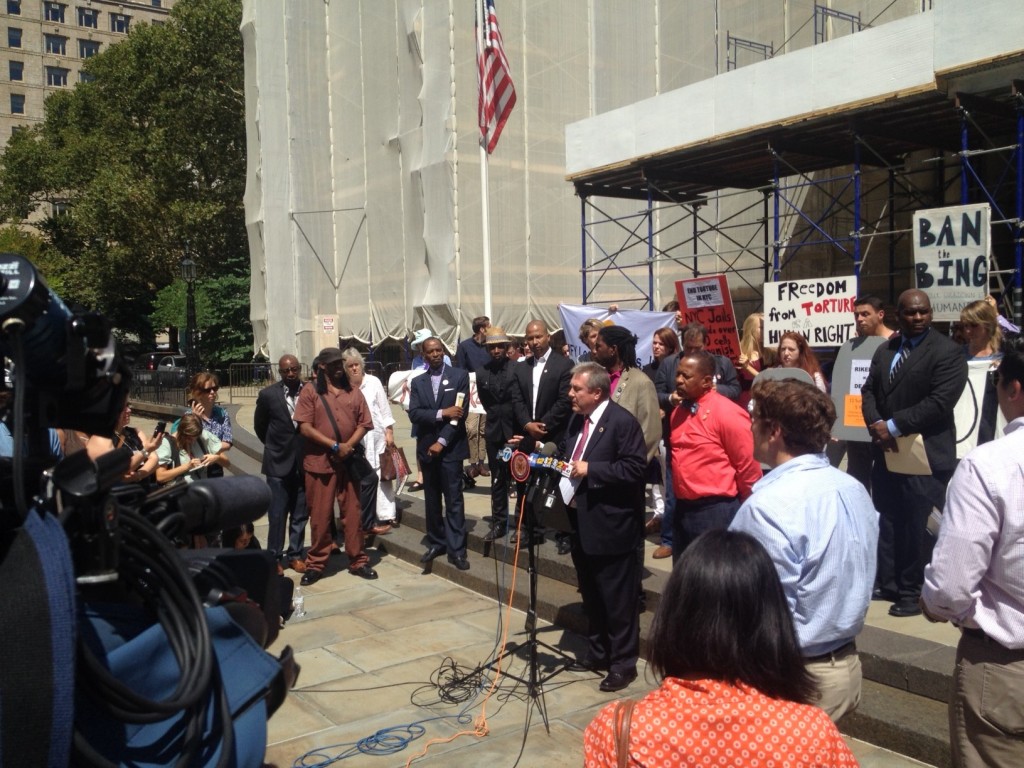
column 915, row 380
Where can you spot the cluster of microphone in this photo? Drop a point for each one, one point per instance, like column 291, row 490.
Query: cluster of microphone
column 541, row 471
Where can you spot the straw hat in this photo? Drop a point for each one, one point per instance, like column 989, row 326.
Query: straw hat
column 496, row 335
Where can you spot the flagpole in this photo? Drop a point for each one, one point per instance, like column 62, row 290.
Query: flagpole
column 485, row 214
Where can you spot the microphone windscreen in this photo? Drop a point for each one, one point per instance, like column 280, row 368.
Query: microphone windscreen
column 548, row 449
column 224, row 502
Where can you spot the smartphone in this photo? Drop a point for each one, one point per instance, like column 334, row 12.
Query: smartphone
column 160, row 427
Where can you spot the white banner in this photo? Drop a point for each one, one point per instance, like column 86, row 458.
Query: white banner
column 640, row 322
column 821, row 309
column 398, row 389
column 951, row 253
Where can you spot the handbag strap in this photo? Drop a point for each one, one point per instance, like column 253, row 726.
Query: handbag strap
column 337, row 432
column 621, row 718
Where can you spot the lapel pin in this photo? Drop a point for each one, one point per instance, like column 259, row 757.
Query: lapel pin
column 600, row 429
column 445, row 382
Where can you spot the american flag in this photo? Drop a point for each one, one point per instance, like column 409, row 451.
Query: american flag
column 497, row 94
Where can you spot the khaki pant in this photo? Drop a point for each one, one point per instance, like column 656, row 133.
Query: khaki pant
column 839, row 680
column 986, row 710
column 475, row 425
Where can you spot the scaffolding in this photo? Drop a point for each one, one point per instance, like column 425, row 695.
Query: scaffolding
column 987, row 165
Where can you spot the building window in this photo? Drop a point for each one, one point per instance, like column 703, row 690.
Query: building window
column 87, row 49
column 14, row 7
column 89, row 17
column 158, row 3
column 61, row 208
column 17, row 104
column 17, row 70
column 85, row 77
column 54, row 12
column 119, row 22
column 57, row 77
column 13, row 37
column 56, row 44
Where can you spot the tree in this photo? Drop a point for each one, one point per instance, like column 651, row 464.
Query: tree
column 147, row 156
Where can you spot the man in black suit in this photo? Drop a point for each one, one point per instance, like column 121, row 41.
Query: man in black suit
column 494, row 386
column 540, row 398
column 914, row 381
column 438, row 403
column 604, row 496
column 282, row 464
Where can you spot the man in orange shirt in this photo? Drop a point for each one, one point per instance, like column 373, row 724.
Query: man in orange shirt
column 712, row 453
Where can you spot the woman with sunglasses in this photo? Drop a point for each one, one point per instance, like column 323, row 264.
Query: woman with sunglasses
column 144, row 449
column 202, row 401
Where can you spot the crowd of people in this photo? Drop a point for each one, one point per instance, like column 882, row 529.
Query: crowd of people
column 777, row 552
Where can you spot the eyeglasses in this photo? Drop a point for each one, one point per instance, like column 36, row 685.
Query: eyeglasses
column 293, row 369
column 208, row 390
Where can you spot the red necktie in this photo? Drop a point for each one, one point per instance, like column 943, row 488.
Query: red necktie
column 578, row 451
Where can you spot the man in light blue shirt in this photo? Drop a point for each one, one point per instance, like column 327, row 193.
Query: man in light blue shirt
column 820, row 529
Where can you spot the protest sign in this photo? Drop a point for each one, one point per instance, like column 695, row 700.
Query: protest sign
column 643, row 324
column 951, row 253
column 820, row 308
column 706, row 300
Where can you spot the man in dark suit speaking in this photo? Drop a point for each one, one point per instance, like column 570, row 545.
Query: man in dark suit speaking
column 282, row 464
column 605, row 499
column 914, row 381
column 438, row 404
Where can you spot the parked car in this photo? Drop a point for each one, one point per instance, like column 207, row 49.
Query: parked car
column 160, row 369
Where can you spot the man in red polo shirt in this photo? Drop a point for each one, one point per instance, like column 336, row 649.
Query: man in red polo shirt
column 712, row 453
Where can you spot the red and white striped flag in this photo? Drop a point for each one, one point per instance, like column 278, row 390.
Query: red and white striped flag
column 497, row 94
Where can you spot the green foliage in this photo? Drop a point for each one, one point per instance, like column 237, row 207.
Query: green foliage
column 148, row 156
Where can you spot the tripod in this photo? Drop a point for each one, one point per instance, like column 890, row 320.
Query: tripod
column 533, row 680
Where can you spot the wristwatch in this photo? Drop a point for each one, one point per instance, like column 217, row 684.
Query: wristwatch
column 335, row 447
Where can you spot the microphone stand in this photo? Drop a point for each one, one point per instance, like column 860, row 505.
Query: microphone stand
column 533, row 679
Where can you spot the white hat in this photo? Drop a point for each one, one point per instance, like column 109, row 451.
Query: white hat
column 420, row 336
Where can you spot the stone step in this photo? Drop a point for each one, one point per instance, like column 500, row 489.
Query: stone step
column 903, row 722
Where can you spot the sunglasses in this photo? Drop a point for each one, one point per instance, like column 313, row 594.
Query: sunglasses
column 293, row 369
column 209, row 389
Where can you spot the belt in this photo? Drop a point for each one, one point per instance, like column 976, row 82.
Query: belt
column 705, row 501
column 979, row 634
column 849, row 647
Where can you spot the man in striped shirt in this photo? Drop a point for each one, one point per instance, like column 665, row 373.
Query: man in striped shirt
column 820, row 529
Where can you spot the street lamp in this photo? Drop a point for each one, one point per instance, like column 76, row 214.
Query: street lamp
column 188, row 274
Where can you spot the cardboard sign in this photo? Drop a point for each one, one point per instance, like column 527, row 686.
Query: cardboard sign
column 820, row 308
column 850, row 371
column 951, row 253
column 706, row 300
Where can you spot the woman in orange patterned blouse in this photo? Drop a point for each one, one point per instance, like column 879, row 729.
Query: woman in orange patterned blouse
column 734, row 688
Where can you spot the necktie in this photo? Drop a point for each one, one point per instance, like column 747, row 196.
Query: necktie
column 904, row 354
column 578, row 451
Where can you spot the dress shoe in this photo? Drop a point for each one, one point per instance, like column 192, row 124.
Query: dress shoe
column 653, row 525
column 905, row 606
column 299, row 566
column 563, row 544
column 484, row 471
column 468, row 480
column 311, row 577
column 280, row 570
column 364, row 572
column 459, row 562
column 588, row 664
column 888, row 595
column 414, row 487
column 660, row 553
column 473, row 470
column 379, row 530
column 616, row 681
column 431, row 553
column 497, row 531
